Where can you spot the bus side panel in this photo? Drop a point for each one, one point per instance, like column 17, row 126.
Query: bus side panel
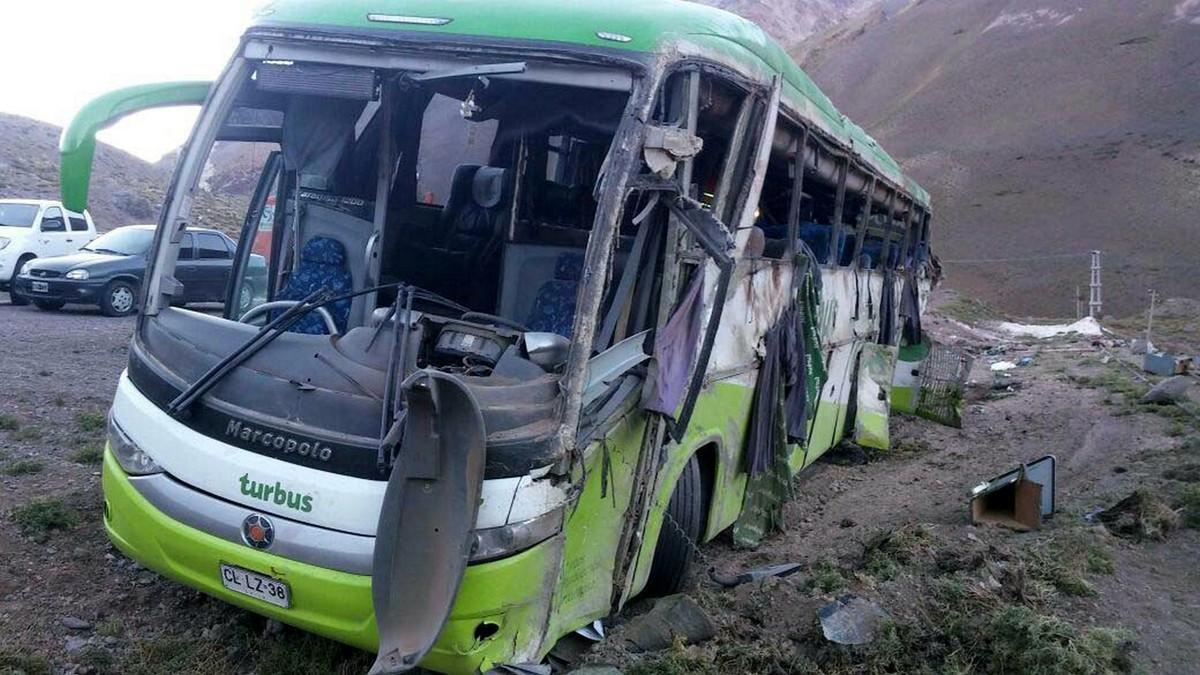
column 721, row 415
column 592, row 530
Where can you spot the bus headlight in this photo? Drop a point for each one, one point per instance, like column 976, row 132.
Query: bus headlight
column 498, row 542
column 128, row 454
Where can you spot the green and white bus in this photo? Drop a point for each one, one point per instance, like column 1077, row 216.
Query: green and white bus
column 555, row 291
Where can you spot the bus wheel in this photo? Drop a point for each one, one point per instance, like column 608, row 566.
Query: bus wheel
column 679, row 535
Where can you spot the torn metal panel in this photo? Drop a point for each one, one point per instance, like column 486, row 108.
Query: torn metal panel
column 424, row 538
column 665, row 147
column 876, row 369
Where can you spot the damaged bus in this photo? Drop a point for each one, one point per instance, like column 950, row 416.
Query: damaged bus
column 554, row 292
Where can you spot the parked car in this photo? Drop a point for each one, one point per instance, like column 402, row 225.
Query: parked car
column 108, row 271
column 34, row 228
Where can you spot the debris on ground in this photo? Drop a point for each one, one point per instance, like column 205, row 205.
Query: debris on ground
column 593, row 631
column 521, row 669
column 1018, row 499
column 1160, row 363
column 1142, row 515
column 596, row 669
column 1169, row 390
column 851, row 620
column 1001, row 366
column 780, row 570
column 75, row 623
column 675, row 616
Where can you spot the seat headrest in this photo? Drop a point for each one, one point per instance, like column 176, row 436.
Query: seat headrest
column 487, row 188
column 324, row 250
column 568, row 267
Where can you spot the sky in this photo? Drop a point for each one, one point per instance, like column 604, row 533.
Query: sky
column 59, row 54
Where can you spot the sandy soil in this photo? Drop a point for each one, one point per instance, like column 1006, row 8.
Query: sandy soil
column 59, row 369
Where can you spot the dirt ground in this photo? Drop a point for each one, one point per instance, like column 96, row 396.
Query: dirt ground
column 70, row 603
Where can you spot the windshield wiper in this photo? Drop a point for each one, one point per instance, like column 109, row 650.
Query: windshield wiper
column 104, row 250
column 512, row 68
column 280, row 325
column 265, row 336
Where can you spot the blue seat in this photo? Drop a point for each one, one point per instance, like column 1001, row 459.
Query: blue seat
column 817, row 237
column 554, row 305
column 322, row 265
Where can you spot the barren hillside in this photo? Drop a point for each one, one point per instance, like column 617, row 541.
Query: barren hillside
column 1042, row 127
column 125, row 189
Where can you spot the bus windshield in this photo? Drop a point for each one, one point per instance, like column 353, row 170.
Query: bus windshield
column 487, row 199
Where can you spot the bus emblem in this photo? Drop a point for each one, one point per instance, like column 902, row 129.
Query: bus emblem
column 258, row 532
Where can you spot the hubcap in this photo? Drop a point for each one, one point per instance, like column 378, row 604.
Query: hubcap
column 246, row 296
column 122, row 299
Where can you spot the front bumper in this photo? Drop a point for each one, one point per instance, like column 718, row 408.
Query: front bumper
column 60, row 289
column 498, row 617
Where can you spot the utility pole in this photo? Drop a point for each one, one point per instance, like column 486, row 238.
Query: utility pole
column 1150, row 316
column 1094, row 303
column 1078, row 303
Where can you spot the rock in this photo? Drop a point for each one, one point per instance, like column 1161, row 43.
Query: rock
column 75, row 624
column 75, row 643
column 851, row 620
column 672, row 616
column 1169, row 390
column 847, row 522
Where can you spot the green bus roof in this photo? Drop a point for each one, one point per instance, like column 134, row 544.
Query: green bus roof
column 648, row 25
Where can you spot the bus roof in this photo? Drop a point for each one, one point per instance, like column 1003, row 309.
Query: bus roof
column 646, row 26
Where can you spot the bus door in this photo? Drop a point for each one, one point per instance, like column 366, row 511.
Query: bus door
column 707, row 151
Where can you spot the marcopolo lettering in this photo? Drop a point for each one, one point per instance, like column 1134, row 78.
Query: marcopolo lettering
column 277, row 441
column 275, row 494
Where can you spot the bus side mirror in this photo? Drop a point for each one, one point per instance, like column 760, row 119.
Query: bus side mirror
column 77, row 147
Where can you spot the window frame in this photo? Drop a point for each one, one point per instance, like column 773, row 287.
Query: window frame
column 61, row 218
column 198, row 247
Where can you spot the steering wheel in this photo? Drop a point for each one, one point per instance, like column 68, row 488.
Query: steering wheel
column 330, row 324
column 494, row 320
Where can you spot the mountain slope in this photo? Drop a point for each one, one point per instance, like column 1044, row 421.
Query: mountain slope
column 792, row 21
column 1041, row 127
column 124, row 190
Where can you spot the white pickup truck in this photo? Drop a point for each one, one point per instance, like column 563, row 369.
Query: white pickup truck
column 36, row 228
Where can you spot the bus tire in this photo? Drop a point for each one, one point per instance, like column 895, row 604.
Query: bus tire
column 679, row 534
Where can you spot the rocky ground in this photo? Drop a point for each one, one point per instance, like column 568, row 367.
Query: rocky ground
column 891, row 528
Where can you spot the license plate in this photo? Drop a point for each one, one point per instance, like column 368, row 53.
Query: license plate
column 39, row 287
column 256, row 585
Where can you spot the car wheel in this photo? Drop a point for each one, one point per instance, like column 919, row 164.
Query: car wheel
column 118, row 299
column 245, row 298
column 49, row 305
column 13, row 296
column 679, row 535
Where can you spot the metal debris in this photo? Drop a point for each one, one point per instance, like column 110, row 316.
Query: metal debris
column 851, row 620
column 780, row 570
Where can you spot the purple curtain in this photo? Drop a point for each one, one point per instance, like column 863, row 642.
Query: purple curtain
column 675, row 350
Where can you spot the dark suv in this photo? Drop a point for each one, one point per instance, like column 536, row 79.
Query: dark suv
column 108, row 271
